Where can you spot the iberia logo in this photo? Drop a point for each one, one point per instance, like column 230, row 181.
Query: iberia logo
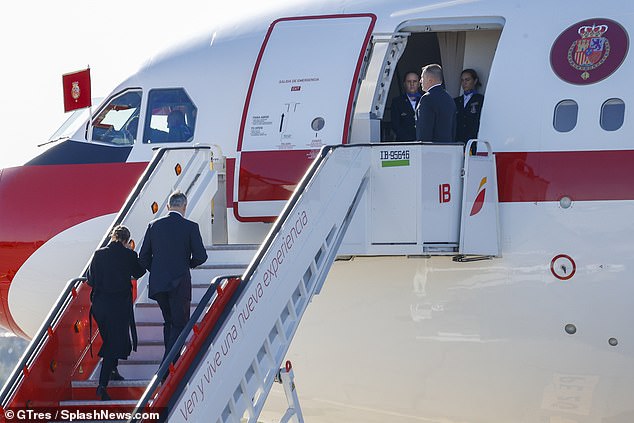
column 479, row 201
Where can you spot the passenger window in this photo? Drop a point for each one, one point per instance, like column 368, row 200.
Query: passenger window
column 612, row 114
column 117, row 123
column 565, row 118
column 171, row 116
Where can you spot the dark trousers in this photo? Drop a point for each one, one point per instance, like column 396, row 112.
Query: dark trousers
column 107, row 367
column 175, row 306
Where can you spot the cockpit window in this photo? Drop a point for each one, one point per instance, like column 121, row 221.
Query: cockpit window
column 117, row 123
column 171, row 116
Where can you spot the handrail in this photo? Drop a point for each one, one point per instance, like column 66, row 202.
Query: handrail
column 38, row 342
column 246, row 277
column 175, row 387
column 206, row 331
column 277, row 226
column 70, row 292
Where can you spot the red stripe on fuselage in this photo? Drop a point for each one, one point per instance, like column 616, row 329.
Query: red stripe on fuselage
column 39, row 202
column 231, row 169
column 522, row 177
column 580, row 175
column 272, row 175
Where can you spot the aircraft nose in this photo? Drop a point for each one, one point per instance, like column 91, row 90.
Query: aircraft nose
column 10, row 253
column 51, row 217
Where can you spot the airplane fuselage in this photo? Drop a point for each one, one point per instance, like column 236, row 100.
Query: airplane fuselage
column 539, row 333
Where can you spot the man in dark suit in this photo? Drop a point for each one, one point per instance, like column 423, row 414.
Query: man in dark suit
column 171, row 246
column 403, row 109
column 436, row 112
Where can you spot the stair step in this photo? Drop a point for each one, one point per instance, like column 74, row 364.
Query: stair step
column 206, row 273
column 142, row 364
column 138, row 368
column 150, row 330
column 155, row 306
column 117, row 389
column 228, row 253
column 221, row 266
column 232, row 247
column 150, row 312
column 150, row 349
column 112, row 404
column 128, row 383
column 200, row 285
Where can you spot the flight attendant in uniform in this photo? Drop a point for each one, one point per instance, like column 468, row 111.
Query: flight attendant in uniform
column 110, row 273
column 404, row 109
column 468, row 108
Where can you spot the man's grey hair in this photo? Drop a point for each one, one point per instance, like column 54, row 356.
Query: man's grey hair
column 434, row 71
column 177, row 199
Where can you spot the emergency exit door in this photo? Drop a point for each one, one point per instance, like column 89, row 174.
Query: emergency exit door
column 300, row 98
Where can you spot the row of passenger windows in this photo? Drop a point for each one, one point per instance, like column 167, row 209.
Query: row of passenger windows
column 611, row 118
column 170, row 117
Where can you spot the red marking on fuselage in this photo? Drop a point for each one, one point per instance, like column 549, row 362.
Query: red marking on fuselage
column 231, row 169
column 271, row 175
column 39, row 202
column 580, row 175
column 522, row 176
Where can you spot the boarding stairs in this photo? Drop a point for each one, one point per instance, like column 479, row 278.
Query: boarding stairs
column 58, row 369
column 247, row 300
column 235, row 366
column 288, row 269
column 143, row 363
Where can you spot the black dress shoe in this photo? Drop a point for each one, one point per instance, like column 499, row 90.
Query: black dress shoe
column 115, row 375
column 102, row 393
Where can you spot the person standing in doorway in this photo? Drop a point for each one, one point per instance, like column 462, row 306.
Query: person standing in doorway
column 403, row 109
column 469, row 108
column 436, row 111
column 171, row 247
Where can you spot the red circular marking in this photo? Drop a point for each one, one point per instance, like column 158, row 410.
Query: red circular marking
column 289, row 366
column 589, row 51
column 552, row 267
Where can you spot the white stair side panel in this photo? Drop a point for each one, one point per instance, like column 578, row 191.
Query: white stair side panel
column 260, row 316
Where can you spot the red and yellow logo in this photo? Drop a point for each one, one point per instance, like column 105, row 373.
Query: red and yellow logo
column 479, row 201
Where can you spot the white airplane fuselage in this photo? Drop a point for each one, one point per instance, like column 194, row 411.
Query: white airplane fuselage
column 541, row 333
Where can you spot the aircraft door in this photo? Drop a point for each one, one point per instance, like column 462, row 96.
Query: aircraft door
column 300, row 98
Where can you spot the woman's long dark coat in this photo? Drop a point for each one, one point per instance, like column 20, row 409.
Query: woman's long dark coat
column 109, row 274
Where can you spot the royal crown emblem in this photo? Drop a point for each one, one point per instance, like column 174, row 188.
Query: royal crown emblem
column 589, row 51
column 75, row 92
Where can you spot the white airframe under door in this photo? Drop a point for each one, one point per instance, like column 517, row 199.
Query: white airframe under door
column 479, row 225
column 300, row 98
